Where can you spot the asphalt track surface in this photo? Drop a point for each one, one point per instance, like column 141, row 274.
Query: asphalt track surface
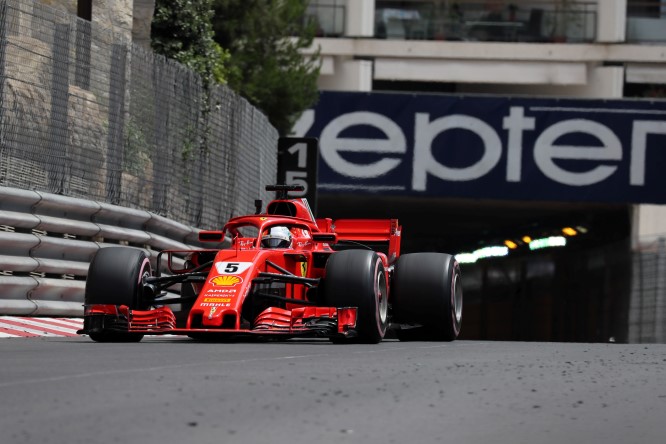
column 173, row 390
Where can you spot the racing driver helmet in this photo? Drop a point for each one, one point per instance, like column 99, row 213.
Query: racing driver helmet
column 277, row 237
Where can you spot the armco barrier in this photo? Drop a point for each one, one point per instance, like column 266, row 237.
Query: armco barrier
column 47, row 242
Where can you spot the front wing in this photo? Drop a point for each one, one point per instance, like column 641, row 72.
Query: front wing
column 298, row 322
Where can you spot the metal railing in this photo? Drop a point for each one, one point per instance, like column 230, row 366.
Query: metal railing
column 531, row 21
column 646, row 22
column 648, row 9
column 47, row 242
column 647, row 312
column 328, row 17
column 524, row 21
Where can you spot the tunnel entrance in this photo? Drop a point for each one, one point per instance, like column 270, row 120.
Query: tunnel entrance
column 578, row 292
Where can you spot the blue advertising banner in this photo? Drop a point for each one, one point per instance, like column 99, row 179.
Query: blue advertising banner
column 490, row 147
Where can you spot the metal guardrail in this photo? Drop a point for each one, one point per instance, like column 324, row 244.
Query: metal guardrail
column 47, row 242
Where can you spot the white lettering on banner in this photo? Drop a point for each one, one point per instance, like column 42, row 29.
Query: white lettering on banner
column 545, row 150
column 424, row 161
column 638, row 147
column 516, row 123
column 331, row 144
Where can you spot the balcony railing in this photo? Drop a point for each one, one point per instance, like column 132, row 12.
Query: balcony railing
column 505, row 21
column 327, row 16
column 646, row 21
column 517, row 21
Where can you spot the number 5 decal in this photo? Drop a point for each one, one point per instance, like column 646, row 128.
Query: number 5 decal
column 232, row 267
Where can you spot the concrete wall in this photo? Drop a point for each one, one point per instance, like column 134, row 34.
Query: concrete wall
column 116, row 15
column 142, row 18
column 129, row 18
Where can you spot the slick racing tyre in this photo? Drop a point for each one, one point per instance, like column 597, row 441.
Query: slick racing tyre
column 427, row 291
column 114, row 278
column 357, row 278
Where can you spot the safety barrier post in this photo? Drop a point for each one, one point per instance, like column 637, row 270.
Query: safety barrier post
column 117, row 86
column 56, row 162
column 3, row 52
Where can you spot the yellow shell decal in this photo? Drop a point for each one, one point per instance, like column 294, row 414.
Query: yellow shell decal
column 304, row 269
column 226, row 281
column 219, row 300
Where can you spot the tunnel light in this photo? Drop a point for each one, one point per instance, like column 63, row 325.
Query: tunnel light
column 548, row 242
column 482, row 253
column 527, row 239
column 466, row 258
column 496, row 251
column 568, row 231
column 511, row 244
column 582, row 230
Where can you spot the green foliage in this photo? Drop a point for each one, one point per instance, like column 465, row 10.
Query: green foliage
column 182, row 30
column 264, row 38
column 137, row 150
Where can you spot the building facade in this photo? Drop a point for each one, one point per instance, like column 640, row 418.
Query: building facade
column 603, row 49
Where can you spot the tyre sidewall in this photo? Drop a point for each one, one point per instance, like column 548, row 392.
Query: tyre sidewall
column 114, row 277
column 424, row 293
column 352, row 281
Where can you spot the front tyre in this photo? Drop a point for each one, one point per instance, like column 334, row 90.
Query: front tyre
column 115, row 278
column 427, row 290
column 357, row 278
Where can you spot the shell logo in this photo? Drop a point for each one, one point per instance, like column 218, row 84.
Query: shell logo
column 226, row 281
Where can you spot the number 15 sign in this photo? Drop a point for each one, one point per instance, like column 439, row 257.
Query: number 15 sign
column 297, row 165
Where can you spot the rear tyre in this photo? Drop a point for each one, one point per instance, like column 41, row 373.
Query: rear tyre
column 114, row 278
column 427, row 290
column 357, row 278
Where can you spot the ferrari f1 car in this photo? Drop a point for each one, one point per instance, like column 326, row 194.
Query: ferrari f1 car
column 282, row 274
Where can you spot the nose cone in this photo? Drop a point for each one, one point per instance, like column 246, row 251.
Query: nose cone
column 219, row 317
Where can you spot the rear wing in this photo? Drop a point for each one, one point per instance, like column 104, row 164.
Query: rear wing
column 384, row 233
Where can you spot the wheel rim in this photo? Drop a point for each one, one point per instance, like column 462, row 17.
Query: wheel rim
column 457, row 299
column 144, row 272
column 382, row 300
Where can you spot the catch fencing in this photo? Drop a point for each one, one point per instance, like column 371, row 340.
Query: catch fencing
column 647, row 314
column 85, row 114
column 104, row 143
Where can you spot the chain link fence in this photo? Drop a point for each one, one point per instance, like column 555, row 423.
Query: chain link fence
column 85, row 114
column 647, row 315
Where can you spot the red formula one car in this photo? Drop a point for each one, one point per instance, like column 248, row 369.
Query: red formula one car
column 284, row 275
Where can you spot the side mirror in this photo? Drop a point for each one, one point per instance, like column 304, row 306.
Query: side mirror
column 211, row 236
column 329, row 238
